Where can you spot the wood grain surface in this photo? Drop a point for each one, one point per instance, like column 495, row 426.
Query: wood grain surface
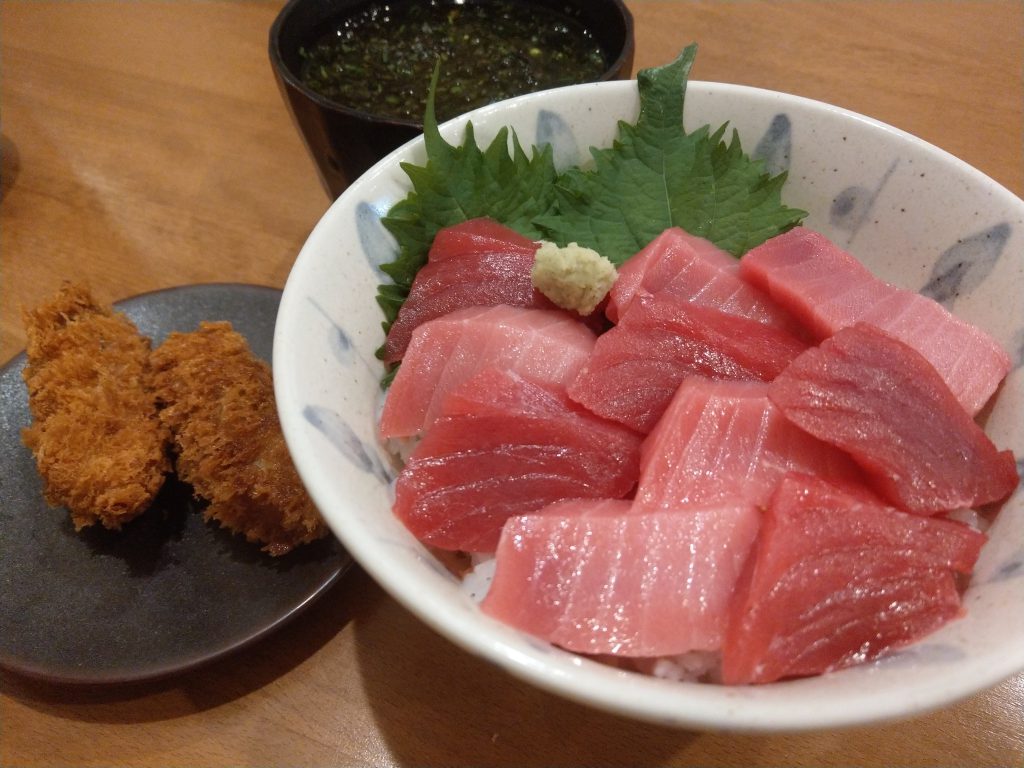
column 145, row 145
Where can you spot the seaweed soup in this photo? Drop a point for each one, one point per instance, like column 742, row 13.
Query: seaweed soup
column 379, row 59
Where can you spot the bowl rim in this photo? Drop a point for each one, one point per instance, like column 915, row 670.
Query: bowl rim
column 693, row 705
column 625, row 54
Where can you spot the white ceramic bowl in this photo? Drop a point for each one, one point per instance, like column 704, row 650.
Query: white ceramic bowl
column 910, row 211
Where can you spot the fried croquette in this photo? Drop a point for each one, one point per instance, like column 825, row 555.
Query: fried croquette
column 218, row 401
column 98, row 444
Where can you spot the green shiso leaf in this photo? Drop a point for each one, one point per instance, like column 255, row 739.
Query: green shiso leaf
column 657, row 176
column 654, row 176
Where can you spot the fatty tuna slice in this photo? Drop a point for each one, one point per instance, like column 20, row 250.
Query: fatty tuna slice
column 546, row 346
column 476, row 263
column 637, row 365
column 724, row 441
column 600, row 579
column 879, row 400
column 834, row 580
column 827, row 289
column 503, row 446
column 693, row 269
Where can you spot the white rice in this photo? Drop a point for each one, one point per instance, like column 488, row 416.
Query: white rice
column 477, row 579
column 971, row 518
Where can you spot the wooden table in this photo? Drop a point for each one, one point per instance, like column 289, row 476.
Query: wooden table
column 145, row 145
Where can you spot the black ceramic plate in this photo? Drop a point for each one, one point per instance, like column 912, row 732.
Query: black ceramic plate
column 167, row 592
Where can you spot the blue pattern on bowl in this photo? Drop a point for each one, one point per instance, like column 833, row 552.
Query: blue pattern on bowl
column 1011, row 569
column 776, row 146
column 377, row 244
column 340, row 342
column 345, row 440
column 554, row 130
column 851, row 206
column 963, row 266
column 338, row 339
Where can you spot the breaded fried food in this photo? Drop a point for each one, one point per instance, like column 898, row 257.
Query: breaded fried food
column 98, row 444
column 218, row 401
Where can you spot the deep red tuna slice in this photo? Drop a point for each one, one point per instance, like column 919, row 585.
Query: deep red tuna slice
column 547, row 346
column 827, row 289
column 724, row 441
column 610, row 581
column 834, row 580
column 473, row 264
column 479, row 237
column 693, row 269
column 506, row 446
column 879, row 400
column 637, row 365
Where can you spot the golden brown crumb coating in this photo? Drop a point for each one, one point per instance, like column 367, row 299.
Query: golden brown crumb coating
column 97, row 441
column 218, row 401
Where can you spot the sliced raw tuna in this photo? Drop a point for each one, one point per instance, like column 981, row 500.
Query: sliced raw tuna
column 881, row 401
column 834, row 580
column 472, row 264
column 828, row 289
column 547, row 346
column 586, row 507
column 502, row 446
column 596, row 578
column 724, row 441
column 637, row 365
column 693, row 269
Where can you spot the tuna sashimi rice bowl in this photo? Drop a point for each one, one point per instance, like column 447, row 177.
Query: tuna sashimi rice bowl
column 713, row 422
